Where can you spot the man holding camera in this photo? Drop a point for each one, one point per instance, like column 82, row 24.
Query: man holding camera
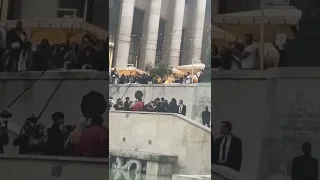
column 4, row 138
column 23, row 139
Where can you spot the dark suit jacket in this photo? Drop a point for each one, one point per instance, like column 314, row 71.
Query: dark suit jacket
column 206, row 116
column 126, row 106
column 304, row 168
column 55, row 142
column 234, row 159
column 184, row 110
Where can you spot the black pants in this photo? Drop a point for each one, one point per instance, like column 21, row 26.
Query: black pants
column 1, row 59
column 12, row 65
column 206, row 123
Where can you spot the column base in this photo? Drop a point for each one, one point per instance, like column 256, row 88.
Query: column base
column 159, row 169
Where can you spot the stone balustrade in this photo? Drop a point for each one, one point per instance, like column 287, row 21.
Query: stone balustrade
column 139, row 161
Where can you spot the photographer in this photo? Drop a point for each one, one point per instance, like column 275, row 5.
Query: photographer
column 36, row 143
column 111, row 102
column 25, row 133
column 4, row 138
column 118, row 105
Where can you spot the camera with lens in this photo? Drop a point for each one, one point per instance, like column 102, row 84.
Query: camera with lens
column 4, row 116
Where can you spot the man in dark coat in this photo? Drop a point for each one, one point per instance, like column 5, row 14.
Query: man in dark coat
column 227, row 149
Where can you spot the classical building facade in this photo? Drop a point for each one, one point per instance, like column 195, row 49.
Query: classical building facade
column 145, row 32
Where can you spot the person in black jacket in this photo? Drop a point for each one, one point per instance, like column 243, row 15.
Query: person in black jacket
column 16, row 39
column 173, row 107
column 101, row 63
column 182, row 109
column 206, row 117
column 126, row 104
column 55, row 142
column 304, row 167
column 227, row 149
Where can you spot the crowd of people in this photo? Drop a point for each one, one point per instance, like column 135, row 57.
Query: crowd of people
column 156, row 105
column 244, row 55
column 89, row 138
column 146, row 78
column 17, row 54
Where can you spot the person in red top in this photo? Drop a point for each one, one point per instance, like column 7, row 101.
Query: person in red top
column 94, row 141
column 138, row 105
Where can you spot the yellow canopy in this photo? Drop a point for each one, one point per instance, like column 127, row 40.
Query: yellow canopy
column 58, row 30
column 177, row 72
column 128, row 71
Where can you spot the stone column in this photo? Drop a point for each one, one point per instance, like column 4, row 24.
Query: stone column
column 176, row 32
column 150, row 34
column 186, row 50
column 111, row 4
column 4, row 10
column 197, row 31
column 124, row 33
column 206, row 42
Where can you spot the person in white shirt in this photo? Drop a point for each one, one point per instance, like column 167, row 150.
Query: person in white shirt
column 188, row 78
column 227, row 149
column 249, row 55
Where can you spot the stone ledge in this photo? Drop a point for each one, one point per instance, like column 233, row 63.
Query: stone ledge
column 56, row 158
column 191, row 177
column 56, row 75
column 141, row 155
column 204, row 84
column 227, row 173
column 165, row 114
column 279, row 73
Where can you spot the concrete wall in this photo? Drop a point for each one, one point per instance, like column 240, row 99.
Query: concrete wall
column 67, row 98
column 30, row 9
column 168, row 133
column 191, row 177
column 224, row 173
column 195, row 96
column 273, row 112
column 43, row 167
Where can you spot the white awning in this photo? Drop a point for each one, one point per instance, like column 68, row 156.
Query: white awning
column 278, row 20
column 192, row 66
column 276, row 15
